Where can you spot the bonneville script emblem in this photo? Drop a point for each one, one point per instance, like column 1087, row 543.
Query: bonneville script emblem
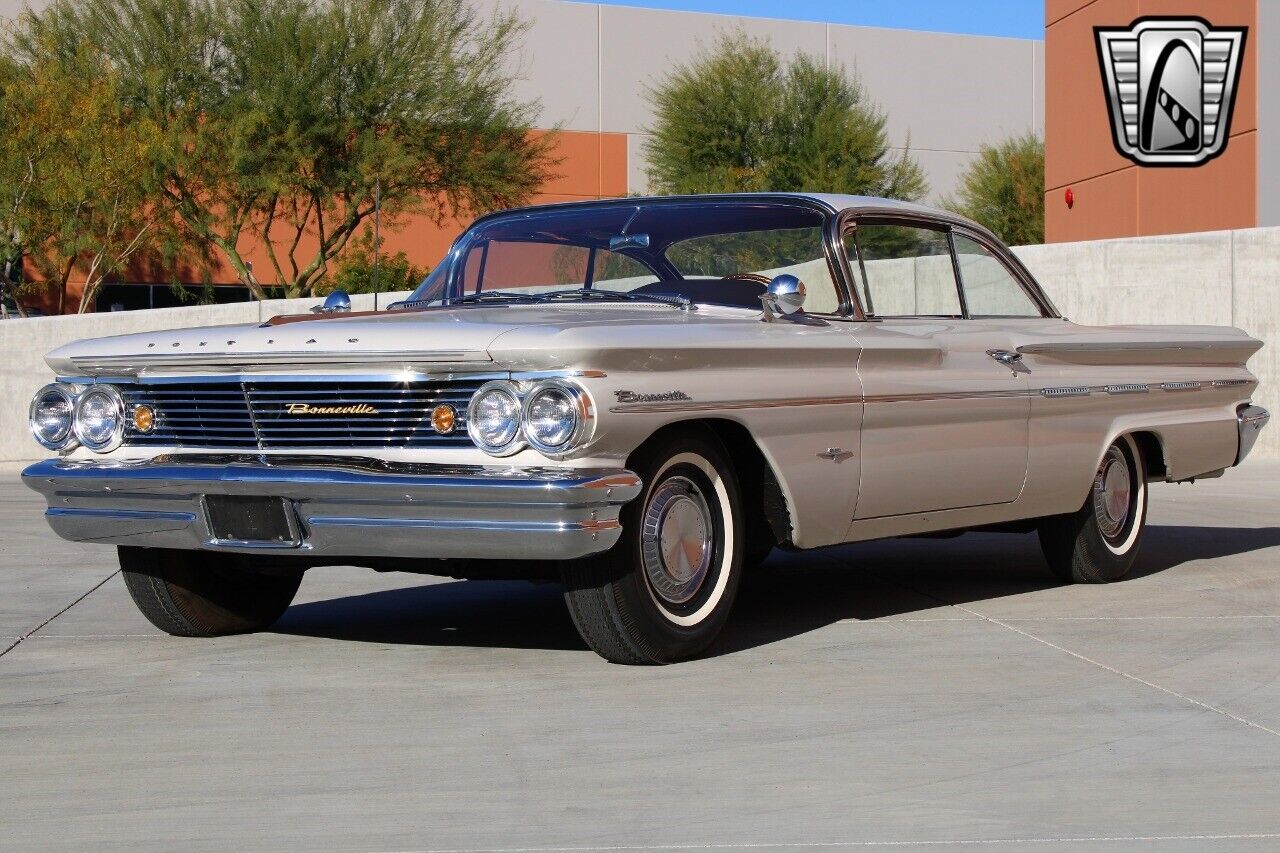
column 308, row 409
column 665, row 397
column 1170, row 85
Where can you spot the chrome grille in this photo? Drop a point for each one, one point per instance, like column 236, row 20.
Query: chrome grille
column 256, row 414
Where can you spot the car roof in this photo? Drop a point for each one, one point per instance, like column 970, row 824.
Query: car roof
column 833, row 202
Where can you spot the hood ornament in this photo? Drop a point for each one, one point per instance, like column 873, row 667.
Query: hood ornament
column 335, row 303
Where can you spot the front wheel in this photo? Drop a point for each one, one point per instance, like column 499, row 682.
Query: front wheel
column 664, row 591
column 1099, row 542
column 199, row 594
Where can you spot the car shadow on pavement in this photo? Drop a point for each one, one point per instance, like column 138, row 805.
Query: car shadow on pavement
column 791, row 594
column 484, row 614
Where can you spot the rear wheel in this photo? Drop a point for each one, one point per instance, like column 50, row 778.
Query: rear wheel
column 664, row 592
column 1099, row 542
column 199, row 594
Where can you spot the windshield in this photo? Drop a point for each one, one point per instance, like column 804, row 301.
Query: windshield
column 716, row 253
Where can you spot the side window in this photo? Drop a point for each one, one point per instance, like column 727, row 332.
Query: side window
column 616, row 272
column 908, row 271
column 989, row 288
column 768, row 253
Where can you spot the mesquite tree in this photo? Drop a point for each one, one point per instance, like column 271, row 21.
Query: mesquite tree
column 280, row 117
column 1003, row 189
column 737, row 118
column 76, row 194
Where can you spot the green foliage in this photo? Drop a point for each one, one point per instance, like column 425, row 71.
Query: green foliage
column 74, row 175
column 1003, row 189
column 355, row 270
column 280, row 117
column 736, row 119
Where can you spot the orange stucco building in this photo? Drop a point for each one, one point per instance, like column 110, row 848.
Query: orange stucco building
column 591, row 165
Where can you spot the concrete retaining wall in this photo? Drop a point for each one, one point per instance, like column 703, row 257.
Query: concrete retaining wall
column 23, row 344
column 1230, row 278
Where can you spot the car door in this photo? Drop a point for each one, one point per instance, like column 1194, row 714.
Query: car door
column 946, row 420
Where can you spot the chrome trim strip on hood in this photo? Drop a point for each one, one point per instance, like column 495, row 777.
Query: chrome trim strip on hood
column 136, row 362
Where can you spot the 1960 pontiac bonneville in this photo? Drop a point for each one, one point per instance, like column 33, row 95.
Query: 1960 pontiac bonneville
column 641, row 397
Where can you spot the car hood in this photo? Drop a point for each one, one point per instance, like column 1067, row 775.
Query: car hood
column 509, row 337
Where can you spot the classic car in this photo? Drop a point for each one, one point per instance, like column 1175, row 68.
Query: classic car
column 639, row 398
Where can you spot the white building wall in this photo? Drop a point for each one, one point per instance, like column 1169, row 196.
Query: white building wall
column 944, row 94
column 590, row 64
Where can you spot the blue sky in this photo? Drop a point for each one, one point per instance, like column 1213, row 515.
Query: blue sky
column 1014, row 18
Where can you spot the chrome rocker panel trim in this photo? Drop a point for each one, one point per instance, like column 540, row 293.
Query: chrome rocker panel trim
column 347, row 508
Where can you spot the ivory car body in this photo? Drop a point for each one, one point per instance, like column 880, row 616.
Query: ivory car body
column 641, row 396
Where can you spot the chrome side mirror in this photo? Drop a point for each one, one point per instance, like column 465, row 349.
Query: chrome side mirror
column 785, row 297
column 334, row 303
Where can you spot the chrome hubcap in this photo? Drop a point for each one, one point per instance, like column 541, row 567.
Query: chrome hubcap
column 676, row 540
column 1112, row 489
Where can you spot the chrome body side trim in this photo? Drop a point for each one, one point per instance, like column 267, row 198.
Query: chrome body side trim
column 994, row 393
column 724, row 405
column 352, row 507
column 1251, row 420
column 1133, row 346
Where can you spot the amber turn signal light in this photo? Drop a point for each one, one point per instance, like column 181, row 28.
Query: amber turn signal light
column 444, row 419
column 144, row 418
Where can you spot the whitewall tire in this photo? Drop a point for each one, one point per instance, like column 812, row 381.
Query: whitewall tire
column 1099, row 542
column 664, row 592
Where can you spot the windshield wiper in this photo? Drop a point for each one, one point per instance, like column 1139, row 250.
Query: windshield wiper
column 681, row 302
column 494, row 296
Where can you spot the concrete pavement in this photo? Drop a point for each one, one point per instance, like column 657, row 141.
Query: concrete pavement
column 939, row 694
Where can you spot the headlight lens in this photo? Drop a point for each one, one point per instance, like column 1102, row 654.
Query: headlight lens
column 493, row 418
column 556, row 417
column 99, row 420
column 52, row 413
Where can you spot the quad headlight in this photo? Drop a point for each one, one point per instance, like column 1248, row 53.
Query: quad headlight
column 556, row 417
column 99, row 419
column 52, row 416
column 493, row 419
column 553, row 417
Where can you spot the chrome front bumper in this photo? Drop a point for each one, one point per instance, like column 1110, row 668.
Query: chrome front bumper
column 347, row 507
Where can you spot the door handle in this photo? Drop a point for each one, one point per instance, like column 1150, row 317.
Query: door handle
column 1005, row 357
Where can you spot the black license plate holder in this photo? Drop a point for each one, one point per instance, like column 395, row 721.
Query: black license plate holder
column 252, row 520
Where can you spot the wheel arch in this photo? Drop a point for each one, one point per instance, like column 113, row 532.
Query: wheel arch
column 766, row 503
column 1152, row 447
